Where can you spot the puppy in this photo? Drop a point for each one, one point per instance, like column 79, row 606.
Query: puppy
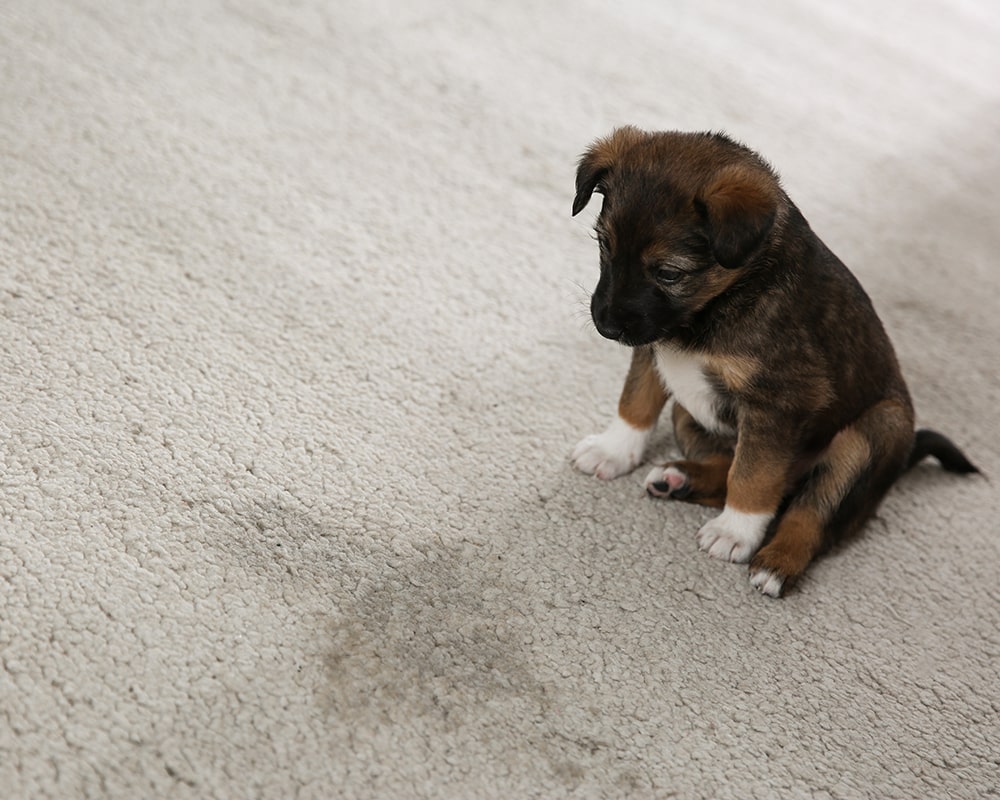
column 790, row 409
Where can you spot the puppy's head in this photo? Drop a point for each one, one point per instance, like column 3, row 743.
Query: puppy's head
column 684, row 216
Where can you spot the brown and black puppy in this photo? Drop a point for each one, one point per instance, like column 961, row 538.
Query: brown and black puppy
column 790, row 409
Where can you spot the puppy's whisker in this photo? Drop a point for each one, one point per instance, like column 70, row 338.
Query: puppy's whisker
column 581, row 301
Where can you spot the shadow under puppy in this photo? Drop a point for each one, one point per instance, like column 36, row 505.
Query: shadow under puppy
column 790, row 408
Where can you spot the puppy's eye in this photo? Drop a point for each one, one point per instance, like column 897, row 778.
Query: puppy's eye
column 669, row 276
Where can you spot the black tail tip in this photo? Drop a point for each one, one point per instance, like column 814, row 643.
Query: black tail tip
column 931, row 443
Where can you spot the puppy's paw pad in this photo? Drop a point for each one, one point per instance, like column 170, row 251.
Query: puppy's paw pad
column 667, row 482
column 733, row 535
column 767, row 581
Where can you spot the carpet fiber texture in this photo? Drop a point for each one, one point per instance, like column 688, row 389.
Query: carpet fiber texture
column 295, row 350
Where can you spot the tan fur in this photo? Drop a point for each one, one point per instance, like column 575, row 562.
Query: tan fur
column 739, row 191
column 643, row 395
column 795, row 544
column 706, row 479
column 608, row 151
column 844, row 459
column 761, row 473
column 754, row 488
column 736, row 372
column 717, row 280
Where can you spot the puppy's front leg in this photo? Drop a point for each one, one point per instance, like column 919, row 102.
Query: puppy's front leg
column 756, row 484
column 620, row 448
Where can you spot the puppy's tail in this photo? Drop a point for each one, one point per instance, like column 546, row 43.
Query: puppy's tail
column 931, row 443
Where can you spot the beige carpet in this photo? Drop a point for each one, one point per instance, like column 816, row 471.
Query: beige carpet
column 295, row 349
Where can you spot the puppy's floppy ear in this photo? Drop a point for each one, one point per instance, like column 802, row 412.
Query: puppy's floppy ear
column 598, row 161
column 740, row 204
column 588, row 175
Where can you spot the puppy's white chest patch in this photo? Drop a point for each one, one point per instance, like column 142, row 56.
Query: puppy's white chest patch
column 684, row 375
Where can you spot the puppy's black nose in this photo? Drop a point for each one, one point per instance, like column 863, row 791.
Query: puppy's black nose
column 607, row 324
column 609, row 330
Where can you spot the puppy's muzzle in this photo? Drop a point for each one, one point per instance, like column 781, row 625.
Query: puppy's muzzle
column 610, row 330
column 611, row 322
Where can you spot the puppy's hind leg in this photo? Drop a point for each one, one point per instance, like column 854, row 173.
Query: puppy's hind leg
column 701, row 476
column 839, row 494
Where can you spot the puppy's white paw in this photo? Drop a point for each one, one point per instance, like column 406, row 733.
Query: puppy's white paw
column 667, row 482
column 767, row 582
column 733, row 535
column 616, row 451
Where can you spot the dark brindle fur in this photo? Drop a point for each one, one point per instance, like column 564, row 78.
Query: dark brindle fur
column 808, row 422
